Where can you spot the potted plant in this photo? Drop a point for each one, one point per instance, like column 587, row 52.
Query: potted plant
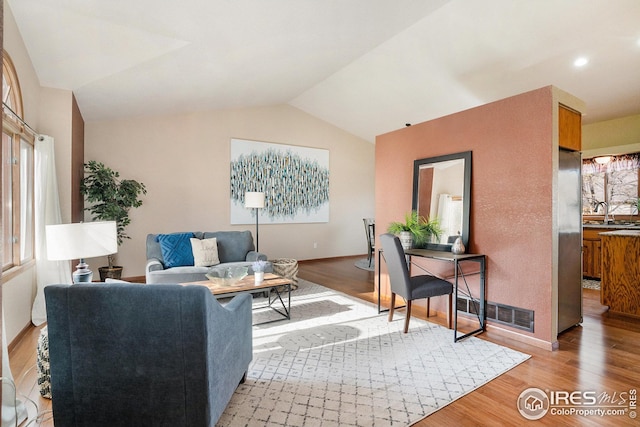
column 111, row 199
column 415, row 230
column 258, row 268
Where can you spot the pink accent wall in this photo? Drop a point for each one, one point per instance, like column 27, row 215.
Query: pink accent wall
column 512, row 144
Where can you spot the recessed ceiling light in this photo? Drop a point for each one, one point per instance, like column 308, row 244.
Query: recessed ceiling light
column 581, row 62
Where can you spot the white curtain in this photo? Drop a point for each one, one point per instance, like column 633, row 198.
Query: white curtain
column 47, row 211
column 450, row 215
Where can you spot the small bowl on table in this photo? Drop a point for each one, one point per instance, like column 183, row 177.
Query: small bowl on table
column 228, row 277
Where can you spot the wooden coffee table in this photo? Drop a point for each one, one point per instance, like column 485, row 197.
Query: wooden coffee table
column 275, row 286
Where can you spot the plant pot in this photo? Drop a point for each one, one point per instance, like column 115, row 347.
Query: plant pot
column 110, row 273
column 406, row 240
column 259, row 277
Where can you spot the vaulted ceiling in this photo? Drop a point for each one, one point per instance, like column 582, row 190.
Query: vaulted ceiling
column 367, row 66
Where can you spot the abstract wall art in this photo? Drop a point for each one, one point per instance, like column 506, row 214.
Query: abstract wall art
column 295, row 181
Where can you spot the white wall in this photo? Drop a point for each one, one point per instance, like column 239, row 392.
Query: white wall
column 184, row 161
column 56, row 121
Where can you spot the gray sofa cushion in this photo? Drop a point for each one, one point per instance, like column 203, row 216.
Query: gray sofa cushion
column 233, row 246
column 178, row 275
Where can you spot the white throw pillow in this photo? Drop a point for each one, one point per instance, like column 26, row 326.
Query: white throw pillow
column 205, row 252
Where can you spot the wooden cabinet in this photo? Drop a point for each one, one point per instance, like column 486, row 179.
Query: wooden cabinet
column 621, row 272
column 570, row 129
column 592, row 252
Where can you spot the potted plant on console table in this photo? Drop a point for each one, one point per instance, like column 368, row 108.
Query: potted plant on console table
column 111, row 199
column 415, row 230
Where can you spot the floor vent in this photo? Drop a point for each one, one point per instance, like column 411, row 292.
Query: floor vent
column 500, row 313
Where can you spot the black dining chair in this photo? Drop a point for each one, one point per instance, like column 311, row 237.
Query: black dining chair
column 410, row 287
column 370, row 230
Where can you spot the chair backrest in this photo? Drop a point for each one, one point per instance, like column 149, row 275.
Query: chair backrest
column 369, row 229
column 396, row 265
column 125, row 354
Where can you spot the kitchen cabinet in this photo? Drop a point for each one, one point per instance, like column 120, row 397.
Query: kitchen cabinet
column 592, row 252
column 592, row 261
column 570, row 128
column 621, row 272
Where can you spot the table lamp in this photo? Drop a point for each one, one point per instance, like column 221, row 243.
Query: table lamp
column 254, row 200
column 79, row 241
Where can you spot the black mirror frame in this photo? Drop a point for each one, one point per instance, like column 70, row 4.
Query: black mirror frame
column 466, row 196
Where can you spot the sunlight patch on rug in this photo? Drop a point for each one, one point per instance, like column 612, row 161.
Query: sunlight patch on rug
column 338, row 363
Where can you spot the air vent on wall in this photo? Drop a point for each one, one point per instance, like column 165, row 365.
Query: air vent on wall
column 507, row 315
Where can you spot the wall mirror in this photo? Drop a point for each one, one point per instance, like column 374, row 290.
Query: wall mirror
column 442, row 190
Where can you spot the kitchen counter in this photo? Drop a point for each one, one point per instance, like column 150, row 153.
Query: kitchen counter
column 627, row 233
column 620, row 285
column 592, row 242
column 621, row 225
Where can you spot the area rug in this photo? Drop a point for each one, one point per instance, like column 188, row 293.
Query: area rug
column 590, row 284
column 338, row 363
column 364, row 264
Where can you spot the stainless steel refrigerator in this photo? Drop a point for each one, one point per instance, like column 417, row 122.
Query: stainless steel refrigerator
column 569, row 240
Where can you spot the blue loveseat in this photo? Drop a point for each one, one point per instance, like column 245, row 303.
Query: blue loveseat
column 234, row 248
column 138, row 355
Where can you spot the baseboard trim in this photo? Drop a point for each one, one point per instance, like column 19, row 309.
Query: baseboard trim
column 333, row 258
column 26, row 330
column 515, row 336
column 467, row 321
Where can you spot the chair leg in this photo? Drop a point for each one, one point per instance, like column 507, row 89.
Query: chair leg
column 393, row 305
column 428, row 307
column 406, row 320
column 449, row 311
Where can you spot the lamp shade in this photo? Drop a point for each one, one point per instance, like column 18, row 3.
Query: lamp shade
column 254, row 199
column 81, row 240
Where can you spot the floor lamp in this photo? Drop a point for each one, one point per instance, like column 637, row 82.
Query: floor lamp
column 254, row 200
column 79, row 241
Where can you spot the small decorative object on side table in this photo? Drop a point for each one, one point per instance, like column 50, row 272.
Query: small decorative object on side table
column 458, row 247
column 258, row 271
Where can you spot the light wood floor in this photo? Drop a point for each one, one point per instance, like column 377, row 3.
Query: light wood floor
column 601, row 355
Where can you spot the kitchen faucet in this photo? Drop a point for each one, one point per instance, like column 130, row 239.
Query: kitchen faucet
column 605, row 206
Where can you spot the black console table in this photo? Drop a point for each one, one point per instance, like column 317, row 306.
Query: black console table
column 480, row 302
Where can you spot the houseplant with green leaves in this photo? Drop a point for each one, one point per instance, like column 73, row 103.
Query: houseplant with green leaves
column 111, row 199
column 416, row 230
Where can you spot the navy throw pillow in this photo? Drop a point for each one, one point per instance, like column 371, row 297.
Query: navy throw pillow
column 176, row 249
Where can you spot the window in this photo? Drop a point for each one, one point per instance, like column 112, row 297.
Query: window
column 17, row 175
column 615, row 183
